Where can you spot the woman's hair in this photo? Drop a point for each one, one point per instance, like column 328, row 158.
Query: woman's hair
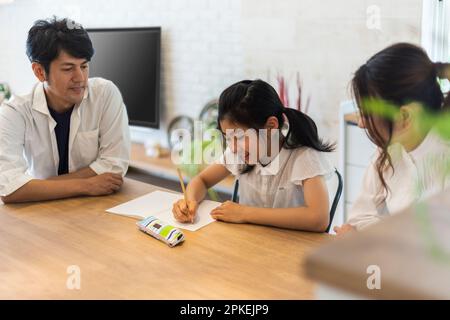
column 252, row 102
column 398, row 75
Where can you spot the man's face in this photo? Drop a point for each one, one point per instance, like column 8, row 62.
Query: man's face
column 67, row 79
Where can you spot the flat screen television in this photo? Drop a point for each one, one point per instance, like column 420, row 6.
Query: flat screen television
column 130, row 57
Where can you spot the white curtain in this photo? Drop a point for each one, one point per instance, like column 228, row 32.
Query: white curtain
column 436, row 29
column 436, row 33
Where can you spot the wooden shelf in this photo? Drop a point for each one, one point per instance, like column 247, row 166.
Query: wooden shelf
column 164, row 167
column 352, row 118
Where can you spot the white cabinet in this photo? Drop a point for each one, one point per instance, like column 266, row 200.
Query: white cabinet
column 356, row 151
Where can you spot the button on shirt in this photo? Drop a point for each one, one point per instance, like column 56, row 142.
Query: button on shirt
column 99, row 136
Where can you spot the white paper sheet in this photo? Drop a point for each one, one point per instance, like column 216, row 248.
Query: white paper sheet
column 159, row 204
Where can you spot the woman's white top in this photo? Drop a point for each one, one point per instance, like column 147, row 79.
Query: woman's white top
column 418, row 174
column 280, row 183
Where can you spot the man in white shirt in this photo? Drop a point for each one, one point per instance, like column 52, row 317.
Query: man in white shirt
column 69, row 136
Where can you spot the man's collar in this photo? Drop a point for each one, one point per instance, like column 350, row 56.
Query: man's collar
column 39, row 99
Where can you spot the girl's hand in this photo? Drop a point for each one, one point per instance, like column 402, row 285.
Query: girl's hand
column 185, row 211
column 345, row 228
column 229, row 211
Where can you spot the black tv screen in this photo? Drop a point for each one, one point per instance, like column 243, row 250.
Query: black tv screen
column 130, row 57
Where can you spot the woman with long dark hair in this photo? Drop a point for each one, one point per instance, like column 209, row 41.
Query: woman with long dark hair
column 278, row 157
column 410, row 163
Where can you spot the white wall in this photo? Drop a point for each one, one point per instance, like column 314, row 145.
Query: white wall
column 209, row 44
column 201, row 44
column 326, row 41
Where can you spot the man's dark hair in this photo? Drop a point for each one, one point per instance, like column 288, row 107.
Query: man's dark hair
column 47, row 38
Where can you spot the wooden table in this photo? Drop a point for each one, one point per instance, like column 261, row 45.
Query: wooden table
column 400, row 247
column 39, row 241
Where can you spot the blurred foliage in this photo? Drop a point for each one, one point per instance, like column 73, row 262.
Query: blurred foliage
column 191, row 167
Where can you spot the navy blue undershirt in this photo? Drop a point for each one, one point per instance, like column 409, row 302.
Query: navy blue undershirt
column 62, row 131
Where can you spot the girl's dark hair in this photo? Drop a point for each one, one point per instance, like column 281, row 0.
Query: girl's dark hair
column 400, row 74
column 47, row 38
column 252, row 102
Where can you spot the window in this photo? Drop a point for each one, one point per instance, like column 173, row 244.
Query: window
column 436, row 32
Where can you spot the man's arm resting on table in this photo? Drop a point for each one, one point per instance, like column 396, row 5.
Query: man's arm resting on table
column 80, row 174
column 38, row 190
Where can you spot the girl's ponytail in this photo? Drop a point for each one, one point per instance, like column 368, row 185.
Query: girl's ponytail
column 303, row 132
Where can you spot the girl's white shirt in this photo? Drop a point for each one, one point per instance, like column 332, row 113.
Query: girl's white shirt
column 280, row 183
column 417, row 175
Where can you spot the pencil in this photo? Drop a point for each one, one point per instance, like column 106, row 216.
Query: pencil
column 180, row 176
